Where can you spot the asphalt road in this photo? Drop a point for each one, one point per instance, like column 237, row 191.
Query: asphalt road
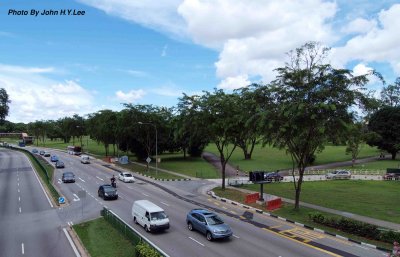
column 30, row 226
column 254, row 234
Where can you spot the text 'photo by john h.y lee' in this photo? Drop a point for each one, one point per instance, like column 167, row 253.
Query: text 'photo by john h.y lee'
column 46, row 12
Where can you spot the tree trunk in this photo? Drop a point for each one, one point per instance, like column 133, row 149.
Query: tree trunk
column 184, row 152
column 393, row 155
column 223, row 165
column 298, row 188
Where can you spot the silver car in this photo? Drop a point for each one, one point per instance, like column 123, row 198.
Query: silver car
column 339, row 174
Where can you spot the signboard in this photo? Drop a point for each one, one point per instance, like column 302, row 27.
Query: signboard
column 124, row 160
column 148, row 160
column 61, row 200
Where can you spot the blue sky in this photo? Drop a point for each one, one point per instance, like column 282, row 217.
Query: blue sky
column 142, row 52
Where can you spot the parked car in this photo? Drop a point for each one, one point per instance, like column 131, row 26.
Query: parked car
column 34, row 150
column 107, row 192
column 273, row 176
column 126, row 177
column 391, row 176
column 60, row 164
column 208, row 223
column 46, row 154
column 339, row 174
column 53, row 158
column 68, row 177
column 149, row 215
column 41, row 152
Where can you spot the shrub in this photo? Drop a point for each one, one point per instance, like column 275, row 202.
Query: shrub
column 144, row 250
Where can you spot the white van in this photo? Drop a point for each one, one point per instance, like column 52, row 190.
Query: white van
column 149, row 215
column 85, row 159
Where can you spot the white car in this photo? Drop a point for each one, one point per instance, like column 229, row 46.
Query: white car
column 339, row 174
column 126, row 177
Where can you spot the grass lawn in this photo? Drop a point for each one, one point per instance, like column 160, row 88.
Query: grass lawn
column 287, row 211
column 376, row 199
column 269, row 158
column 103, row 240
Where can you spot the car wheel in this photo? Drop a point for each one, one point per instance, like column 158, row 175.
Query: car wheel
column 190, row 226
column 146, row 228
column 134, row 220
column 209, row 236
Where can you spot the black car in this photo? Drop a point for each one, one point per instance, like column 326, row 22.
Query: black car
column 107, row 192
column 273, row 176
column 59, row 164
column 68, row 177
column 41, row 152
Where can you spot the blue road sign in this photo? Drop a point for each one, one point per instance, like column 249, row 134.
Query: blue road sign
column 61, row 200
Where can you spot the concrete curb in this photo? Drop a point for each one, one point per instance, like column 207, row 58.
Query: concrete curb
column 162, row 179
column 213, row 195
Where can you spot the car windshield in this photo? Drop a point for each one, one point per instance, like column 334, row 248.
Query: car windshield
column 214, row 220
column 127, row 175
column 109, row 189
column 158, row 215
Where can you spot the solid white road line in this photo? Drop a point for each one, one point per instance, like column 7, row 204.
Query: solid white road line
column 236, row 236
column 100, row 178
column 44, row 191
column 196, row 241
column 76, row 198
column 81, row 179
column 23, row 248
column 164, row 203
column 71, row 243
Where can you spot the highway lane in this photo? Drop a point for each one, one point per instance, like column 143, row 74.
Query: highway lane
column 29, row 224
column 251, row 236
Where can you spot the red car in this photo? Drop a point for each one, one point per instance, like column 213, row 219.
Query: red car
column 391, row 176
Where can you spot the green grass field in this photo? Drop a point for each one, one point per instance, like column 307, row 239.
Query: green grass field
column 375, row 199
column 103, row 240
column 287, row 211
column 269, row 158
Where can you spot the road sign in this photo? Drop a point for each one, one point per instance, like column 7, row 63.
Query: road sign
column 61, row 200
column 148, row 160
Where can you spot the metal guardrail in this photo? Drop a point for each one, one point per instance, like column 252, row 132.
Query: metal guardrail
column 131, row 233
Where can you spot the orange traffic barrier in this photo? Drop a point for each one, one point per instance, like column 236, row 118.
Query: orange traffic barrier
column 252, row 198
column 274, row 204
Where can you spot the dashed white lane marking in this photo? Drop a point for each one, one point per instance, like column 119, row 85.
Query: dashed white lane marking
column 18, row 190
column 71, row 243
column 196, row 241
column 164, row 203
column 18, row 184
column 19, row 198
column 76, row 198
column 129, row 187
column 236, row 236
column 145, row 194
column 100, row 178
column 23, row 248
column 20, row 210
column 81, row 179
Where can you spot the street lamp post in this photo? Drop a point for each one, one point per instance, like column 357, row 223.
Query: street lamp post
column 155, row 128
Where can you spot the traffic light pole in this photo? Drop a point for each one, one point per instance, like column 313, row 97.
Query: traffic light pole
column 261, row 199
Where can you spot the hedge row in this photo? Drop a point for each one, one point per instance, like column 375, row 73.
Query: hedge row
column 356, row 228
column 145, row 250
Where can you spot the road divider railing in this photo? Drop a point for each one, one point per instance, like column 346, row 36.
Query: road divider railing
column 131, row 234
column 42, row 171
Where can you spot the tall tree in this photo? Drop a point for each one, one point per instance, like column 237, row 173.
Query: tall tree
column 4, row 101
column 390, row 95
column 312, row 102
column 385, row 124
column 220, row 114
column 355, row 136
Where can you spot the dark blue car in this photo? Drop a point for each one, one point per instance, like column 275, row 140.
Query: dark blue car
column 53, row 158
column 208, row 223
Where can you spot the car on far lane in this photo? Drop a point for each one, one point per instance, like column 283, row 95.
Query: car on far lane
column 107, row 192
column 54, row 158
column 68, row 177
column 60, row 164
column 41, row 152
column 391, row 176
column 126, row 177
column 34, row 150
column 273, row 176
column 46, row 154
column 208, row 223
column 339, row 174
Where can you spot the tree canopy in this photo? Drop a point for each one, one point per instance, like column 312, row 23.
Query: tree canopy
column 4, row 108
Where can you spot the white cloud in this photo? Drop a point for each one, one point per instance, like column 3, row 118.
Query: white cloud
column 130, row 96
column 380, row 44
column 231, row 83
column 359, row 26
column 164, row 51
column 35, row 97
column 137, row 73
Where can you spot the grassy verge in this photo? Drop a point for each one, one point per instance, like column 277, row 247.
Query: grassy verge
column 375, row 199
column 287, row 211
column 103, row 240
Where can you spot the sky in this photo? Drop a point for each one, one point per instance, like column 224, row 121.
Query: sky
column 151, row 52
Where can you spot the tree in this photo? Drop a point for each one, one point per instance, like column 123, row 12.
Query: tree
column 390, row 95
column 220, row 115
column 4, row 108
column 102, row 127
column 385, row 124
column 311, row 104
column 355, row 137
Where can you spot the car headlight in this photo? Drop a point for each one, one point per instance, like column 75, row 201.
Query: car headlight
column 106, row 194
